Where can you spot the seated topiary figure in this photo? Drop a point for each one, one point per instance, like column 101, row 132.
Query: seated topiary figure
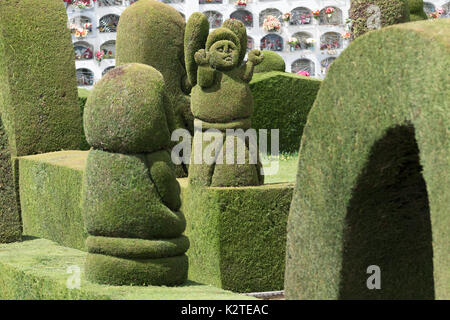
column 363, row 14
column 272, row 62
column 131, row 198
column 416, row 11
column 221, row 99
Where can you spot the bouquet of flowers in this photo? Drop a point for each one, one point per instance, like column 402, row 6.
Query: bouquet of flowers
column 436, row 14
column 303, row 73
column 293, row 41
column 81, row 33
column 248, row 19
column 241, row 3
column 287, row 16
column 100, row 55
column 271, row 23
column 316, row 14
column 88, row 26
column 329, row 11
column 109, row 55
column 345, row 35
column 310, row 42
column 80, row 4
column 305, row 19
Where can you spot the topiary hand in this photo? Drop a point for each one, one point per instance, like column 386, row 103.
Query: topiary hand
column 201, row 57
column 255, row 56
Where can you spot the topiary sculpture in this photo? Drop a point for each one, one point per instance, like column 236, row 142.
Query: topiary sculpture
column 272, row 62
column 367, row 15
column 416, row 10
column 220, row 100
column 131, row 198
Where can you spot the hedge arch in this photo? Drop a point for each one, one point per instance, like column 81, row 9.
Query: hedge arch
column 373, row 181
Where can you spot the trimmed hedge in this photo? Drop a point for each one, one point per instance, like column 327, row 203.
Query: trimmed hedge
column 272, row 62
column 373, row 181
column 37, row 269
column 237, row 235
column 392, row 12
column 50, row 194
column 37, row 78
column 152, row 33
column 10, row 222
column 282, row 101
column 416, row 10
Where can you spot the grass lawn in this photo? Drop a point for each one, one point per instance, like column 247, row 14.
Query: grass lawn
column 287, row 168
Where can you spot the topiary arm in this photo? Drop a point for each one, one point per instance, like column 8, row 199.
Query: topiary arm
column 197, row 30
column 205, row 74
column 255, row 57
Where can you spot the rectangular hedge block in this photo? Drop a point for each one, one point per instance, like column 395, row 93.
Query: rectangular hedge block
column 282, row 101
column 50, row 195
column 237, row 235
column 39, row 269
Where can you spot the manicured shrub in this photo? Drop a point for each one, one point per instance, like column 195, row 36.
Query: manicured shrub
column 110, row 105
column 391, row 12
column 282, row 101
column 221, row 99
column 238, row 235
column 130, row 192
column 152, row 33
column 39, row 99
column 272, row 62
column 416, row 10
column 373, row 181
column 50, row 192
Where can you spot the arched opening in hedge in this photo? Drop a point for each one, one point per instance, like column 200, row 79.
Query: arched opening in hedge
column 301, row 15
column 215, row 19
column 109, row 49
column 330, row 40
column 305, row 41
column 334, row 18
column 106, row 70
column 269, row 12
column 83, row 50
column 108, row 23
column 303, row 65
column 272, row 42
column 110, row 3
column 85, row 77
column 388, row 222
column 243, row 15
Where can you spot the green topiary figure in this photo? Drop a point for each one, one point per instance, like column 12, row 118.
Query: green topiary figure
column 272, row 62
column 367, row 14
column 221, row 99
column 416, row 10
column 131, row 198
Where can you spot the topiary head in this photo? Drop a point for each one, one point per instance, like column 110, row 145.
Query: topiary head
column 224, row 55
column 125, row 111
column 239, row 29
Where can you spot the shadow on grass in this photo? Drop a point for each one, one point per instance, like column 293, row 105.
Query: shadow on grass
column 388, row 224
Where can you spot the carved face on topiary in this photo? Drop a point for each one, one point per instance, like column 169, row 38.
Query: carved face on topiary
column 224, row 55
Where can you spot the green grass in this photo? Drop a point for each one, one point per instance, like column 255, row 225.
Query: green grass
column 37, row 269
column 287, row 168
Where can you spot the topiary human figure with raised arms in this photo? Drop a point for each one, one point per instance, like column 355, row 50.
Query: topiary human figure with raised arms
column 221, row 99
column 131, row 198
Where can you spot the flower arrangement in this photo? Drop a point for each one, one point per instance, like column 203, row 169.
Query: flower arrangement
column 287, row 16
column 303, row 73
column 108, row 55
column 271, row 23
column 100, row 55
column 247, row 19
column 437, row 14
column 345, row 35
column 88, row 26
column 330, row 46
column 316, row 14
column 310, row 42
column 80, row 4
column 81, row 33
column 293, row 41
column 304, row 19
column 241, row 3
column 329, row 11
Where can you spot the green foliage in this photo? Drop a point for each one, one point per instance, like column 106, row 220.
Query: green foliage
column 392, row 12
column 362, row 196
column 238, row 236
column 168, row 271
column 152, row 33
column 50, row 186
column 272, row 62
column 238, row 28
column 282, row 101
column 10, row 222
column 125, row 112
column 120, row 199
column 37, row 270
column 416, row 10
column 38, row 99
